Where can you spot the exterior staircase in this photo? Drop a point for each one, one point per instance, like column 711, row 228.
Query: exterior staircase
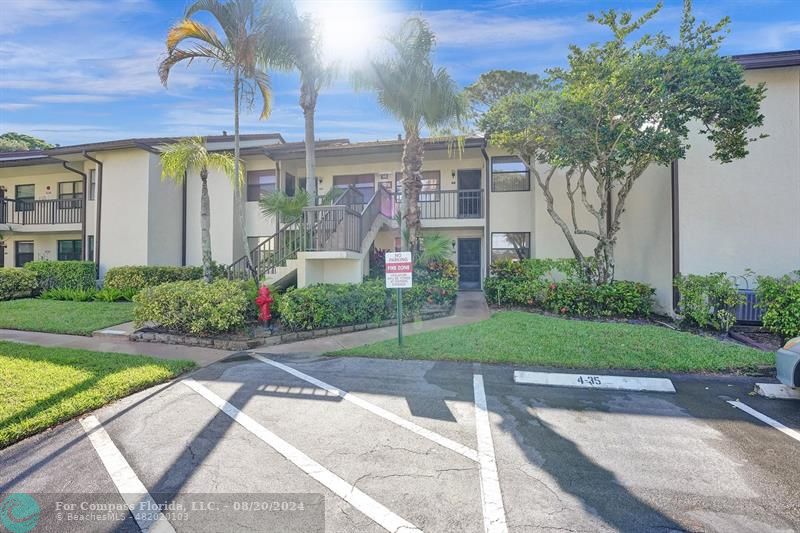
column 348, row 224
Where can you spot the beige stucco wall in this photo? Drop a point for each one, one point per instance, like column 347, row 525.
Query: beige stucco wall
column 746, row 214
column 45, row 245
column 164, row 217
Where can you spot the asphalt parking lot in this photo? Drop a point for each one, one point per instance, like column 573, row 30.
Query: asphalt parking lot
column 345, row 444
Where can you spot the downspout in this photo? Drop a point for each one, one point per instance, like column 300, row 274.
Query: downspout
column 487, row 188
column 184, row 195
column 99, row 210
column 676, row 241
column 279, row 182
column 83, row 206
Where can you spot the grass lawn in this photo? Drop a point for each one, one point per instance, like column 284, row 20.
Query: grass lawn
column 52, row 316
column 530, row 339
column 40, row 387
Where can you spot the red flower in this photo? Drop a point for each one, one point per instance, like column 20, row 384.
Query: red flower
column 553, row 286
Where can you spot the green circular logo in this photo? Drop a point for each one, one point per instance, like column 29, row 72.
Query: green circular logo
column 19, row 513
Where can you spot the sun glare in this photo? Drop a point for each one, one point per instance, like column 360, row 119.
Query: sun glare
column 350, row 29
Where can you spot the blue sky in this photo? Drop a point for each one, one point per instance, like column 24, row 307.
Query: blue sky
column 74, row 71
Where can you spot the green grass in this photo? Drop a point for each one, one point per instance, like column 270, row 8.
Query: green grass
column 52, row 316
column 40, row 387
column 537, row 340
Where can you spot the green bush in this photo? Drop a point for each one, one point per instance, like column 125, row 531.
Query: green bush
column 707, row 301
column 194, row 307
column 780, row 300
column 17, row 283
column 330, row 305
column 64, row 274
column 555, row 285
column 139, row 277
column 67, row 294
column 108, row 294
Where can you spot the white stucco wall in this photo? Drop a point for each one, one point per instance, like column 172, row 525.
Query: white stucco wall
column 165, row 217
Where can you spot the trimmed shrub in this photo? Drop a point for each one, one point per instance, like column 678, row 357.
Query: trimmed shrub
column 64, row 274
column 194, row 307
column 707, row 301
column 137, row 278
column 108, row 294
column 17, row 283
column 780, row 299
column 330, row 305
column 555, row 285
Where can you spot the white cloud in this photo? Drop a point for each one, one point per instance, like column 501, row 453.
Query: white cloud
column 10, row 106
column 768, row 37
column 71, row 98
column 19, row 15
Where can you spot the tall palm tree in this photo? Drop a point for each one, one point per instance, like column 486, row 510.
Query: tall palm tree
column 411, row 89
column 239, row 51
column 189, row 156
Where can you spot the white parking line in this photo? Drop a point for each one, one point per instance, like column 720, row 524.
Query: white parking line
column 494, row 514
column 594, row 381
column 371, row 508
column 767, row 420
column 128, row 485
column 467, row 452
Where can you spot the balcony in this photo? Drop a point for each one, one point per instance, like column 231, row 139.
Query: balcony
column 441, row 205
column 41, row 212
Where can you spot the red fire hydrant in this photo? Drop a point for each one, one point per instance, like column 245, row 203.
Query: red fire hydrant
column 263, row 301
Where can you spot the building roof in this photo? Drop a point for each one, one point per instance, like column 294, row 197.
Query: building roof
column 345, row 147
column 785, row 58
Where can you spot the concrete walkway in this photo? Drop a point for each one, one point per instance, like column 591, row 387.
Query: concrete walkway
column 470, row 307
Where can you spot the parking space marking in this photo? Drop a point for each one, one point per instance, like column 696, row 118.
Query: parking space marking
column 594, row 381
column 494, row 514
column 363, row 503
column 467, row 452
column 128, row 485
column 767, row 420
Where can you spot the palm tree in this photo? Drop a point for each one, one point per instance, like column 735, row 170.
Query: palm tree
column 189, row 156
column 411, row 89
column 239, row 51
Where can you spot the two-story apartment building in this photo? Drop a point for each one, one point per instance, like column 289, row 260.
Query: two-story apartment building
column 107, row 202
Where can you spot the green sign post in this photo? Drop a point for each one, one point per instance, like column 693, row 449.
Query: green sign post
column 399, row 275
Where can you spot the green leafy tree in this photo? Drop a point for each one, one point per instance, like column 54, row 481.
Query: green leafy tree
column 239, row 50
column 190, row 156
column 616, row 109
column 491, row 86
column 12, row 142
column 411, row 89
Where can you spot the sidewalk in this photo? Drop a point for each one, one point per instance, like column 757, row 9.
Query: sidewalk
column 470, row 307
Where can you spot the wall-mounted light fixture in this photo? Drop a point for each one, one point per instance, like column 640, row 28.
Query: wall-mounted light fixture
column 452, row 177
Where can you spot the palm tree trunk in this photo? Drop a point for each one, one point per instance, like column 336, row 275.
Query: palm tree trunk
column 242, row 205
column 205, row 225
column 412, row 184
column 308, row 101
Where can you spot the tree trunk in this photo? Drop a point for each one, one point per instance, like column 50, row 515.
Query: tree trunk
column 205, row 225
column 308, row 102
column 413, row 153
column 240, row 187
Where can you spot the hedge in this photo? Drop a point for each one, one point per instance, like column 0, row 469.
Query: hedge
column 17, row 283
column 196, row 307
column 80, row 275
column 780, row 300
column 137, row 278
column 707, row 301
column 554, row 285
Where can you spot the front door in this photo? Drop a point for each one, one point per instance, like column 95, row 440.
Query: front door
column 469, row 263
column 469, row 194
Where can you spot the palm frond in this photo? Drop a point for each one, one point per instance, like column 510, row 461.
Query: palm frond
column 189, row 156
column 288, row 207
column 191, row 29
column 435, row 247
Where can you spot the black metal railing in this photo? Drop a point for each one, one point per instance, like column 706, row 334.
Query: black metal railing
column 449, row 204
column 26, row 212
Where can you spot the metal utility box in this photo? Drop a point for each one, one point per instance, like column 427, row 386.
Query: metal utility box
column 787, row 362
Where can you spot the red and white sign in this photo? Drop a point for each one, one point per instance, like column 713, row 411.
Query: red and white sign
column 399, row 270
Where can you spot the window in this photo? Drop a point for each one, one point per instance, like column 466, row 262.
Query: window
column 70, row 194
column 69, row 250
column 289, row 186
column 90, row 248
column 364, row 183
column 513, row 246
column 509, row 173
column 24, row 194
column 92, row 183
column 23, row 253
column 431, row 184
column 260, row 182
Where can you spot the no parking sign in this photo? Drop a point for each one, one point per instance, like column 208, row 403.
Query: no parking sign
column 399, row 270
